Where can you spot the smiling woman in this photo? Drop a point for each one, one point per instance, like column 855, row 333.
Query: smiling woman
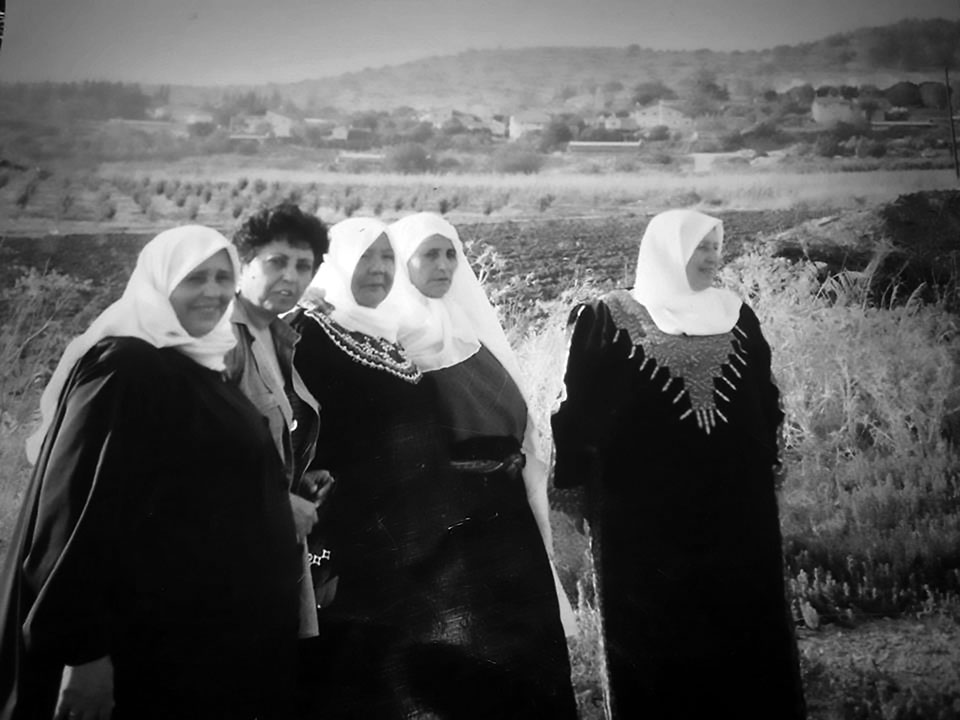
column 153, row 571
column 202, row 297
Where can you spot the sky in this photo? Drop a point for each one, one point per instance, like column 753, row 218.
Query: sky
column 223, row 42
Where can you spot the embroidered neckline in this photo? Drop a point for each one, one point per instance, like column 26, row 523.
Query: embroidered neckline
column 368, row 350
column 707, row 368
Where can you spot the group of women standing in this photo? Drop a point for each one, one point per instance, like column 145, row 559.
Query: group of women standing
column 342, row 513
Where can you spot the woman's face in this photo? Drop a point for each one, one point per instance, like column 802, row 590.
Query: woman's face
column 202, row 297
column 277, row 275
column 704, row 263
column 432, row 265
column 373, row 276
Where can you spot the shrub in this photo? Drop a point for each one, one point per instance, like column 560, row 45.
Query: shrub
column 657, row 133
column 352, row 204
column 826, row 146
column 409, row 158
column 106, row 210
column 515, row 161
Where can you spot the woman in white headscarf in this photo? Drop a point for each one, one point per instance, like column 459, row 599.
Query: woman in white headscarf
column 670, row 422
column 372, row 547
column 501, row 584
column 153, row 571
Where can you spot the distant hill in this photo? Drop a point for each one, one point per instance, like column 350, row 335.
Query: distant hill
column 567, row 78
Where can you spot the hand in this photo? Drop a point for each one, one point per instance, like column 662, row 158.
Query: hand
column 317, row 485
column 86, row 691
column 316, row 299
column 304, row 515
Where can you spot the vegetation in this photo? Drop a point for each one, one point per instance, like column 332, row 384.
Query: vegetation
column 870, row 504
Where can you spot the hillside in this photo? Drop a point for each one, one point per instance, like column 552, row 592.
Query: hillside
column 569, row 78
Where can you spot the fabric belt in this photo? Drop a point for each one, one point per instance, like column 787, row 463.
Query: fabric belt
column 511, row 464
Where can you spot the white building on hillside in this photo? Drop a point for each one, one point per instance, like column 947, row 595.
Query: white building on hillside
column 661, row 113
column 527, row 121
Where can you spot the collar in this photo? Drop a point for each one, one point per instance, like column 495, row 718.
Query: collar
column 278, row 328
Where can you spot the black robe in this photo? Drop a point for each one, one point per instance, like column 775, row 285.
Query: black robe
column 675, row 441
column 444, row 605
column 156, row 529
column 379, row 439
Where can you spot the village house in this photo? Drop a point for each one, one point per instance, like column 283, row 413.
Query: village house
column 660, row 113
column 830, row 110
column 526, row 122
column 269, row 125
column 622, row 120
column 498, row 125
column 438, row 118
column 182, row 115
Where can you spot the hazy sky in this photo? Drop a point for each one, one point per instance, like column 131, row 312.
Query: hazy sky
column 203, row 42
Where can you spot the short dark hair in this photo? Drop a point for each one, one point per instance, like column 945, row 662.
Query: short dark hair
column 284, row 221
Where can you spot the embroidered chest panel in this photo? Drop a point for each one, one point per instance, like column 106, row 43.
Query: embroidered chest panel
column 700, row 374
column 373, row 352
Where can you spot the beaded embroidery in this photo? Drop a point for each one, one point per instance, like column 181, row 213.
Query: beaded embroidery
column 707, row 365
column 373, row 352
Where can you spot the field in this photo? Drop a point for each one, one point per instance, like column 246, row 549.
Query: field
column 867, row 361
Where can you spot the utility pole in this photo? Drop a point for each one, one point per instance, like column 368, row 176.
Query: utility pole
column 953, row 132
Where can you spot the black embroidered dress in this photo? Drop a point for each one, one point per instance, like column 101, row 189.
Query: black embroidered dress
column 675, row 440
column 379, row 440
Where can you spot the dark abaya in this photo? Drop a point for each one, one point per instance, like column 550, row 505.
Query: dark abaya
column 156, row 529
column 675, row 439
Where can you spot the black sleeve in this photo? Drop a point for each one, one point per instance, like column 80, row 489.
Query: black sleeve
column 313, row 359
column 84, row 501
column 771, row 403
column 581, row 423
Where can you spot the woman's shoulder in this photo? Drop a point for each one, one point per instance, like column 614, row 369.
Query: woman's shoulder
column 747, row 319
column 616, row 310
column 126, row 356
column 322, row 333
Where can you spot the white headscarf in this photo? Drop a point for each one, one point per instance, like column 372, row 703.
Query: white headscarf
column 349, row 239
column 661, row 284
column 439, row 333
column 144, row 311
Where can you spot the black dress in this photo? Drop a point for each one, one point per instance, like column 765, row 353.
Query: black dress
column 371, row 550
column 432, row 616
column 675, row 439
column 156, row 529
column 506, row 652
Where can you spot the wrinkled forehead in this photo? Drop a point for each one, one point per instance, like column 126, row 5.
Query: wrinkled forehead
column 411, row 232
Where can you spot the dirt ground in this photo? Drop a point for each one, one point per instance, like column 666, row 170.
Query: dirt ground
column 903, row 668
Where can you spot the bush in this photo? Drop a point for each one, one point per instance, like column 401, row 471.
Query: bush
column 867, row 147
column 657, row 133
column 516, row 161
column 827, row 146
column 409, row 158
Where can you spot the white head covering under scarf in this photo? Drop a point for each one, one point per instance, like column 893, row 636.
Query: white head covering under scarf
column 661, row 284
column 144, row 311
column 439, row 333
column 349, row 239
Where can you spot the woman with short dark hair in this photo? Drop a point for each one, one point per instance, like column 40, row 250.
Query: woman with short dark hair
column 280, row 249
